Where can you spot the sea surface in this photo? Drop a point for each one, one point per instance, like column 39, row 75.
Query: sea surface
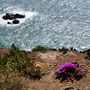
column 49, row 23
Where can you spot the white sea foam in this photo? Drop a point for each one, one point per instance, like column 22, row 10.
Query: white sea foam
column 28, row 16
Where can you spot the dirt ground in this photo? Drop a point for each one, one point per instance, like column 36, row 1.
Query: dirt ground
column 48, row 62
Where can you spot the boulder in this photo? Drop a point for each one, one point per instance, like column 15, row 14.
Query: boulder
column 5, row 17
column 9, row 16
column 15, row 21
column 19, row 16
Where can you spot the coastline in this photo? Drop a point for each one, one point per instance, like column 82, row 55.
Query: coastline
column 48, row 61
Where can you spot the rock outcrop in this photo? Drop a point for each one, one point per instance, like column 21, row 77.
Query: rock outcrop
column 11, row 16
column 8, row 16
column 19, row 16
column 14, row 17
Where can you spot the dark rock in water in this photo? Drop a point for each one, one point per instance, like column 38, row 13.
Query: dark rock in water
column 9, row 23
column 9, row 16
column 5, row 17
column 72, row 49
column 15, row 21
column 19, row 16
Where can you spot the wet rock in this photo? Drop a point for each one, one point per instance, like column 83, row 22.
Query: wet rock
column 19, row 16
column 8, row 16
column 11, row 16
column 15, row 21
column 5, row 17
column 9, row 23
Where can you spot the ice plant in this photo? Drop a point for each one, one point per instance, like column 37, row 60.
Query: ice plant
column 69, row 71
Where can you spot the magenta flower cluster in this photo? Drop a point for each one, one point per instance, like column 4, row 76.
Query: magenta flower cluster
column 69, row 71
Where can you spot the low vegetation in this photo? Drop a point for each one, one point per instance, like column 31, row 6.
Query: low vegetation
column 13, row 65
column 39, row 48
column 69, row 71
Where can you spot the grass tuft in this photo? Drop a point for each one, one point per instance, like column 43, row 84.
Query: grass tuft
column 14, row 65
column 39, row 48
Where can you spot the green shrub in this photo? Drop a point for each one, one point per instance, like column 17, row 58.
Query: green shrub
column 20, row 61
column 16, row 62
column 9, row 81
column 39, row 48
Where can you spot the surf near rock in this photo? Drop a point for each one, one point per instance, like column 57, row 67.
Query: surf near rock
column 11, row 16
column 9, row 23
column 14, row 17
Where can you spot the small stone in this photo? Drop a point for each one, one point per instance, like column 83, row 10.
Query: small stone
column 86, row 57
column 61, row 85
column 82, row 64
column 69, row 88
column 55, row 64
column 9, row 23
column 88, row 71
column 49, row 69
column 42, row 65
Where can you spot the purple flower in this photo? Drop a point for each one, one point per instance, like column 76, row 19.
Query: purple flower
column 77, row 69
column 59, row 71
column 67, row 64
column 61, row 67
column 72, row 79
column 61, row 78
column 70, row 65
column 67, row 77
column 65, row 71
column 73, row 65
column 82, row 70
column 78, row 73
column 56, row 71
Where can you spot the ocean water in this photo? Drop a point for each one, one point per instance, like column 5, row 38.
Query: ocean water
column 50, row 23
